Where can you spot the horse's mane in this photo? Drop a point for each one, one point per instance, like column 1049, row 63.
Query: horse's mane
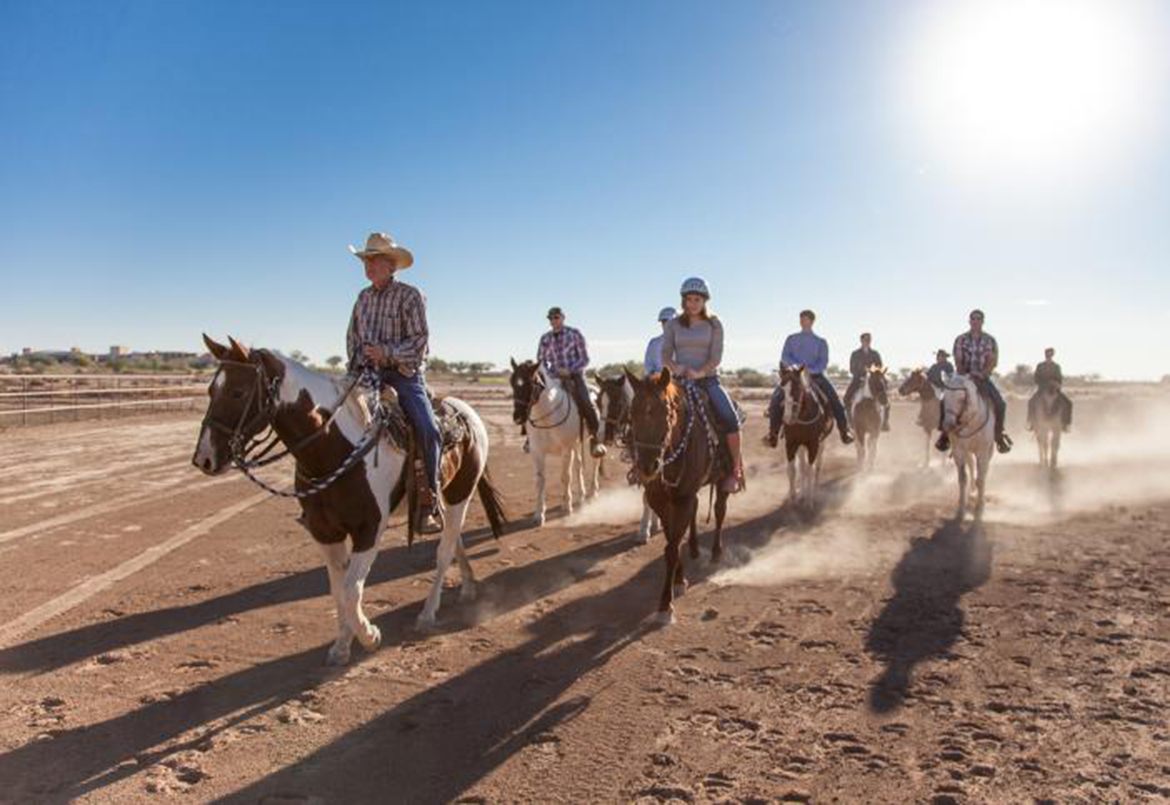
column 354, row 403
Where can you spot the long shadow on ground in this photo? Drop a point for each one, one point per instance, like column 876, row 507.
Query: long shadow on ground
column 923, row 618
column 86, row 642
column 97, row 754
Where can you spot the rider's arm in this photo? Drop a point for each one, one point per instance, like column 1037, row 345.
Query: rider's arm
column 411, row 350
column 856, row 369
column 716, row 354
column 992, row 359
column 582, row 359
column 821, row 362
column 788, row 356
column 652, row 363
column 353, row 347
column 668, row 350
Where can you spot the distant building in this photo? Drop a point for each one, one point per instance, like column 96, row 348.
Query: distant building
column 119, row 352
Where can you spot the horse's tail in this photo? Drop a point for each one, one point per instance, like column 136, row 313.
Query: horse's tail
column 493, row 504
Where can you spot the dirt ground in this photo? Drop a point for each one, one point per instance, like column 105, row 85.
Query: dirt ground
column 162, row 635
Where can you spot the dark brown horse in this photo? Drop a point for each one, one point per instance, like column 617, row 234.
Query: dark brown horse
column 807, row 423
column 675, row 449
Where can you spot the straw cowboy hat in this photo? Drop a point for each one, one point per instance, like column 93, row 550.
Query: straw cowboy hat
column 381, row 243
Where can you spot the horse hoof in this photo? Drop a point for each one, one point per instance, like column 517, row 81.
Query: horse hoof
column 337, row 657
column 468, row 592
column 425, row 623
column 373, row 639
column 680, row 590
column 538, row 520
column 642, row 539
column 716, row 557
column 663, row 618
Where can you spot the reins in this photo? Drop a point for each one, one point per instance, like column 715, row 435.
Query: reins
column 264, row 393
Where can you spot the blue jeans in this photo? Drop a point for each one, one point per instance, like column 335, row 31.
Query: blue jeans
column 412, row 396
column 721, row 403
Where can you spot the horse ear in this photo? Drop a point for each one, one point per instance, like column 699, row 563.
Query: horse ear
column 514, row 366
column 664, row 378
column 272, row 364
column 239, row 351
column 634, row 381
column 217, row 350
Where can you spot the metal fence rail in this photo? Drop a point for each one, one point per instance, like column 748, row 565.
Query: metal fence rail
column 47, row 399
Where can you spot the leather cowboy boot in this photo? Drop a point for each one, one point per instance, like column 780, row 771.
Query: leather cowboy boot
column 735, row 481
column 429, row 519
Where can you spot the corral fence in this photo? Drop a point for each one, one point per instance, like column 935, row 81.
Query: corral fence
column 49, row 399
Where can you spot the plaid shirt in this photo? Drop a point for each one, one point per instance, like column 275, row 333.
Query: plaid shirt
column 563, row 350
column 977, row 354
column 394, row 318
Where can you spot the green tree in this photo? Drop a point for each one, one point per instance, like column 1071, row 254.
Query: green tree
column 333, row 361
column 615, row 369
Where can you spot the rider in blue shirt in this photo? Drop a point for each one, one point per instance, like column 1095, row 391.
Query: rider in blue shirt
column 653, row 361
column 809, row 350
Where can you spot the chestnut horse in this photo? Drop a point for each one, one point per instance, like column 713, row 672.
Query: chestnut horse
column 675, row 448
column 930, row 411
column 807, row 423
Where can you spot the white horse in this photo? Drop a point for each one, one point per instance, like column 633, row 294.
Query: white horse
column 324, row 427
column 969, row 422
column 613, row 407
column 546, row 408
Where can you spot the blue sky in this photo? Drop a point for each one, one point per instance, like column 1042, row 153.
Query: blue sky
column 173, row 168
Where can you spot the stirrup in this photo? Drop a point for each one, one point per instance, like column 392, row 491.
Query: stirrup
column 429, row 520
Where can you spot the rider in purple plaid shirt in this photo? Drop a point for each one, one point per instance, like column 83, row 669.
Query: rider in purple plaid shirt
column 562, row 351
column 976, row 355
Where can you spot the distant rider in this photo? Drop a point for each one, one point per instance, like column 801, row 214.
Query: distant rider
column 562, row 351
column 1048, row 374
column 977, row 355
column 860, row 362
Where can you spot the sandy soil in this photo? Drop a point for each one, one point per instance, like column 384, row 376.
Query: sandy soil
column 162, row 636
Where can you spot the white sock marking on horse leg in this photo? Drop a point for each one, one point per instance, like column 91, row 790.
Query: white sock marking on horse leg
column 443, row 557
column 335, row 557
column 355, row 583
column 538, row 465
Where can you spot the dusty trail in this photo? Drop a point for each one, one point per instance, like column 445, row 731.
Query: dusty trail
column 873, row 652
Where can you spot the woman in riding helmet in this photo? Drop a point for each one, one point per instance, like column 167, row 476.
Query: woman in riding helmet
column 692, row 349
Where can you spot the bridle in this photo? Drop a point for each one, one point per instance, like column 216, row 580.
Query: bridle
column 958, row 434
column 673, row 404
column 538, row 388
column 616, row 418
column 796, row 376
column 265, row 392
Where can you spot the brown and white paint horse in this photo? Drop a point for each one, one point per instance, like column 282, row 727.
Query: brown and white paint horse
column 613, row 405
column 547, row 409
column 807, row 423
column 1048, row 423
column 256, row 389
column 868, row 413
column 674, row 460
column 930, row 411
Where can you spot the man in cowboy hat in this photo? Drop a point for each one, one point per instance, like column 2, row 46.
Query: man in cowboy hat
column 941, row 371
column 388, row 331
column 562, row 350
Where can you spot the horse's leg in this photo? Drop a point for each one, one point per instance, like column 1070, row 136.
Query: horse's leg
column 961, row 465
column 873, row 449
column 597, row 470
column 693, row 540
column 860, row 444
column 982, row 465
column 467, row 590
column 792, row 461
column 648, row 519
column 539, row 464
column 568, row 464
column 673, row 535
column 721, row 497
column 1054, row 447
column 336, row 556
column 448, row 541
column 360, row 563
column 680, row 579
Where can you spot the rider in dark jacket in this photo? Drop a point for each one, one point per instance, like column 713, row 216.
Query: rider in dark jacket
column 860, row 362
column 1048, row 374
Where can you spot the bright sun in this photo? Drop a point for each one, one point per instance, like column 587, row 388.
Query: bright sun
column 1033, row 88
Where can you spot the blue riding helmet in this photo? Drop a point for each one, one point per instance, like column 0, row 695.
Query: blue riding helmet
column 667, row 313
column 695, row 285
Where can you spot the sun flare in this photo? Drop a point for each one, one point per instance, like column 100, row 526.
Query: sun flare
column 1033, row 88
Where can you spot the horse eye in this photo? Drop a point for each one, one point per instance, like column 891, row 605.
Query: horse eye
column 238, row 394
